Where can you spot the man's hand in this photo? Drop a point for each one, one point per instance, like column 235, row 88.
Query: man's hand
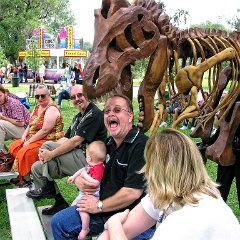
column 85, row 186
column 88, row 203
column 44, row 155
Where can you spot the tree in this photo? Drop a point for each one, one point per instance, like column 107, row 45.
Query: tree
column 87, row 46
column 209, row 25
column 178, row 15
column 35, row 60
column 235, row 21
column 3, row 59
column 18, row 18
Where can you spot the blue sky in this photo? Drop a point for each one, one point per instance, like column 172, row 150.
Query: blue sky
column 200, row 11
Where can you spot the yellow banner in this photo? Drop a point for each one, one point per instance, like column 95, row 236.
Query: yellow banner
column 40, row 37
column 41, row 53
column 75, row 53
column 70, row 37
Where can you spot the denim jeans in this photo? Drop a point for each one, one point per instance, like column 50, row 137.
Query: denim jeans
column 66, row 224
column 64, row 94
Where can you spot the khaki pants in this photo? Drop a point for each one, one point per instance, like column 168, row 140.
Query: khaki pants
column 59, row 167
column 9, row 131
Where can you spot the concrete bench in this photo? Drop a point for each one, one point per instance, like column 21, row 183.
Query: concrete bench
column 26, row 221
column 8, row 175
column 23, row 216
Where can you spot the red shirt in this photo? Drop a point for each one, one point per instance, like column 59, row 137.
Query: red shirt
column 96, row 171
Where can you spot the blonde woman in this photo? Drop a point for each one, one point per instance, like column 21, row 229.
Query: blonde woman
column 181, row 198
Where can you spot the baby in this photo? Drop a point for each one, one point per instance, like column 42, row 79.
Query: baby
column 93, row 172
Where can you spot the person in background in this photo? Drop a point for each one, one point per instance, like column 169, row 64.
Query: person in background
column 25, row 71
column 179, row 190
column 41, row 72
column 175, row 109
column 93, row 173
column 45, row 124
column 67, row 155
column 20, row 72
column 1, row 76
column 14, row 118
column 77, row 69
column 121, row 186
column 68, row 73
column 10, row 73
column 4, row 72
column 65, row 93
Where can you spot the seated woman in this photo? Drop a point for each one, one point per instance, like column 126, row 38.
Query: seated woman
column 45, row 124
column 182, row 199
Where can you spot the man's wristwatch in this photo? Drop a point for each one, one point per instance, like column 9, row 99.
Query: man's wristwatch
column 100, row 206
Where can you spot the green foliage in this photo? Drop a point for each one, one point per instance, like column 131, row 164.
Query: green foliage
column 35, row 61
column 87, row 46
column 179, row 16
column 235, row 21
column 3, row 59
column 209, row 25
column 18, row 19
column 139, row 68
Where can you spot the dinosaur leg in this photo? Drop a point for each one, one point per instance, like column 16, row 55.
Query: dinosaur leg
column 221, row 151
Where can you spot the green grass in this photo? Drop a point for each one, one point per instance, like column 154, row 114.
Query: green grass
column 70, row 191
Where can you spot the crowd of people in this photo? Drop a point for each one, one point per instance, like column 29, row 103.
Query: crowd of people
column 20, row 70
column 7, row 72
column 131, row 186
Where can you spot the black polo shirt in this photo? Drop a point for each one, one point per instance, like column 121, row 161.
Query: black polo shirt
column 89, row 125
column 121, row 167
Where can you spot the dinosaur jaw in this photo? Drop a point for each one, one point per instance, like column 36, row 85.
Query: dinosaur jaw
column 109, row 83
column 146, row 110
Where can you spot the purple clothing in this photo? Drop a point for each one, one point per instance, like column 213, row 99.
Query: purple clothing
column 14, row 109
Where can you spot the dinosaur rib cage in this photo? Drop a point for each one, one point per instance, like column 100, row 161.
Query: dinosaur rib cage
column 178, row 60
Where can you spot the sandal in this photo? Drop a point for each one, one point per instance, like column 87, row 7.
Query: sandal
column 14, row 180
column 24, row 183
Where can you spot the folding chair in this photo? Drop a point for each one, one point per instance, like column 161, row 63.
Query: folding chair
column 31, row 93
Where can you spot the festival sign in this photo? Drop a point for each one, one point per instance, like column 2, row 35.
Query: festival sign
column 40, row 37
column 49, row 43
column 75, row 53
column 41, row 53
column 70, row 37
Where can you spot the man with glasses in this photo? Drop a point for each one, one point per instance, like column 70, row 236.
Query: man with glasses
column 67, row 155
column 122, row 187
column 14, row 118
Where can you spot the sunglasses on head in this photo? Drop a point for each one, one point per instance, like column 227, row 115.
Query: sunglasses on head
column 37, row 96
column 78, row 95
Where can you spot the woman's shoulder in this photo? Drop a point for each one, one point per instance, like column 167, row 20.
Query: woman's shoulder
column 52, row 107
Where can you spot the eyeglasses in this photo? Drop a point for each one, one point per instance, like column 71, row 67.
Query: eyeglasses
column 37, row 96
column 114, row 110
column 78, row 95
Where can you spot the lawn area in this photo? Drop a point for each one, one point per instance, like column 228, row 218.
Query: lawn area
column 69, row 191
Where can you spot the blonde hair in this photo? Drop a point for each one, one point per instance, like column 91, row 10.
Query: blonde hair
column 174, row 170
column 97, row 150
